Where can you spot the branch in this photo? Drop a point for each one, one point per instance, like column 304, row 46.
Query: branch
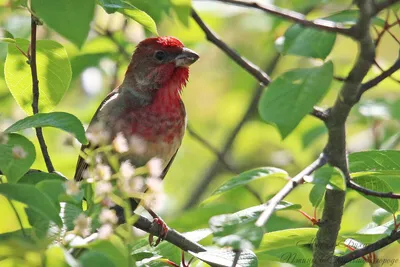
column 299, row 18
column 35, row 92
column 375, row 81
column 368, row 249
column 253, row 69
column 336, row 146
column 351, row 184
column 173, row 236
column 319, row 113
column 292, row 184
column 205, row 143
column 381, row 5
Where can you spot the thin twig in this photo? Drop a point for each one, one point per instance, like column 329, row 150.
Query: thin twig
column 243, row 62
column 353, row 185
column 320, row 113
column 209, row 146
column 35, row 92
column 237, row 256
column 299, row 18
column 375, row 81
column 342, row 260
column 292, row 184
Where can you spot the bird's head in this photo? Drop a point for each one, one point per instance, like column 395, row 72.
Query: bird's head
column 156, row 61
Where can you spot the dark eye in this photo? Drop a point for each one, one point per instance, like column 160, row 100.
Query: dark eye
column 160, row 55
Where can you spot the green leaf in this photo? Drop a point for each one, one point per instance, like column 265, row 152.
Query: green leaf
column 54, row 74
column 379, row 215
column 182, row 8
column 13, row 167
column 224, row 258
column 33, row 198
column 69, row 18
column 59, row 257
column 350, row 17
column 53, row 189
column 38, row 176
column 292, row 95
column 377, row 184
column 129, row 9
column 375, row 161
column 247, row 177
column 94, row 258
column 113, row 248
column 287, row 238
column 238, row 229
column 303, row 41
column 61, row 120
column 140, row 17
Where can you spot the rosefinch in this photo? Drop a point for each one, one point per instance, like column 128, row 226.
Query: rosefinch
column 147, row 107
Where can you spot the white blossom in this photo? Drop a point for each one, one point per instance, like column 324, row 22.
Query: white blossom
column 155, row 167
column 102, row 172
column 132, row 185
column 105, row 231
column 97, row 135
column 154, row 201
column 137, row 144
column 82, row 225
column 126, row 169
column 18, row 152
column 71, row 187
column 120, row 144
column 103, row 189
column 108, row 216
column 154, row 184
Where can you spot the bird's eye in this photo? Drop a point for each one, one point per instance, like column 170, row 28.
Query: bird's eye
column 160, row 55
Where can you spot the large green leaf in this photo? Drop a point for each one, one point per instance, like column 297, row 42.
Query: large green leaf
column 70, row 18
column 54, row 74
column 224, row 258
column 350, row 17
column 303, row 41
column 113, row 248
column 375, row 161
column 292, row 95
column 286, row 238
column 33, row 198
column 13, row 167
column 128, row 8
column 61, row 120
column 182, row 9
column 35, row 177
column 238, row 229
column 377, row 184
column 247, row 177
column 95, row 258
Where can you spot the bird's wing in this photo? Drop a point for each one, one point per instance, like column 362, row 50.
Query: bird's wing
column 81, row 165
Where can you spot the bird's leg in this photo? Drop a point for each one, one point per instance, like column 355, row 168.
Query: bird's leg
column 162, row 226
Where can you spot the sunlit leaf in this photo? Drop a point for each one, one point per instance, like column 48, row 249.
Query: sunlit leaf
column 224, row 258
column 61, row 120
column 292, row 96
column 95, row 258
column 54, row 74
column 14, row 166
column 69, row 18
column 33, row 198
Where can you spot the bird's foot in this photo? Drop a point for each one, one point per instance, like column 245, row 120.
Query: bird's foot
column 162, row 234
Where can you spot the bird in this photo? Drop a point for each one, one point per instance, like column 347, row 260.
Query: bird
column 147, row 105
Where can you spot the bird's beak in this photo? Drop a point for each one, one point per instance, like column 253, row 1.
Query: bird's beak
column 186, row 58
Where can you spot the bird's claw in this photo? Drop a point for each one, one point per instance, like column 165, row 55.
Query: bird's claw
column 162, row 232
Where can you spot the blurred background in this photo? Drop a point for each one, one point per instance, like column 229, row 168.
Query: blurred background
column 221, row 103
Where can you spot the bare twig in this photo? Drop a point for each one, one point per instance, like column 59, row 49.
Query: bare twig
column 351, row 184
column 292, row 184
column 236, row 259
column 299, row 18
column 35, row 92
column 320, row 113
column 368, row 249
column 209, row 146
column 243, row 62
column 375, row 81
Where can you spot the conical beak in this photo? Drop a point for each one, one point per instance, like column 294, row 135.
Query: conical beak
column 186, row 58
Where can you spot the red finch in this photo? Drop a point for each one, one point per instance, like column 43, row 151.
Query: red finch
column 147, row 106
